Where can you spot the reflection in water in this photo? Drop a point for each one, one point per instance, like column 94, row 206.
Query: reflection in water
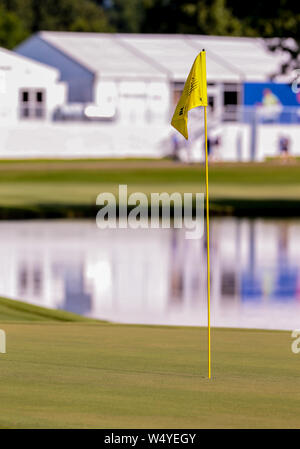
column 157, row 276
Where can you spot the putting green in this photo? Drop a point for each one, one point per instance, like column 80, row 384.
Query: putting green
column 69, row 372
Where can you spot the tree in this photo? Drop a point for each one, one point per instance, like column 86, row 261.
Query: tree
column 188, row 16
column 126, row 16
column 65, row 15
column 12, row 30
column 216, row 18
column 280, row 23
column 20, row 18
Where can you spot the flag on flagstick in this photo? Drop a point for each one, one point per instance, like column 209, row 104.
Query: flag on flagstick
column 195, row 94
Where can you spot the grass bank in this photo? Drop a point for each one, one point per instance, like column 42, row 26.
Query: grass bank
column 68, row 188
column 68, row 372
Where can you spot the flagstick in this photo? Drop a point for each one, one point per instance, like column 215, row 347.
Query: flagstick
column 207, row 233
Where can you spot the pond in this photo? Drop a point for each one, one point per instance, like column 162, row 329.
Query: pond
column 156, row 276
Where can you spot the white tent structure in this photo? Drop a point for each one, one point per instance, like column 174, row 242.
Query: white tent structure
column 229, row 59
column 142, row 73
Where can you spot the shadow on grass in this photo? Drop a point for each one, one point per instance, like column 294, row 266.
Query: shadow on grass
column 231, row 207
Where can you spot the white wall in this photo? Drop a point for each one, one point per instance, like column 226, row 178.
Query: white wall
column 236, row 142
column 268, row 137
column 80, row 140
column 139, row 139
column 136, row 101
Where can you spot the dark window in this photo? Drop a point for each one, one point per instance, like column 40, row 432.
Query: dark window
column 25, row 96
column 230, row 98
column 211, row 101
column 32, row 104
column 39, row 97
column 231, row 101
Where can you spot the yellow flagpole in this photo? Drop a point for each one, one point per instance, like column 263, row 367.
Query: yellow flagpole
column 194, row 95
column 207, row 234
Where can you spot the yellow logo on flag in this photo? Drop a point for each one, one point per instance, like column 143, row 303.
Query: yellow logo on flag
column 194, row 94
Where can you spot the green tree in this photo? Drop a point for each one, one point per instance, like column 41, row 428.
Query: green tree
column 12, row 30
column 126, row 16
column 20, row 18
column 216, row 18
column 20, row 8
column 188, row 16
column 279, row 23
column 65, row 15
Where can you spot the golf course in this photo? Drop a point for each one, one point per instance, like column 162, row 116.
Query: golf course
column 62, row 370
column 65, row 371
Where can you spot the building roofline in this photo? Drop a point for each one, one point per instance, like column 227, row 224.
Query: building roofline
column 146, row 58
column 113, row 36
column 62, row 51
column 124, row 40
column 30, row 60
column 230, row 66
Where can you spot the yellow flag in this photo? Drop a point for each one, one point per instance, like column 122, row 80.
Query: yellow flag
column 194, row 94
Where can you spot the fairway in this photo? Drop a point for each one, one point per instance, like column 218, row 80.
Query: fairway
column 64, row 371
column 69, row 188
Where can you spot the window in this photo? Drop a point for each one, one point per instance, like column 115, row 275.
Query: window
column 230, row 98
column 25, row 96
column 231, row 101
column 32, row 104
column 39, row 96
column 211, row 102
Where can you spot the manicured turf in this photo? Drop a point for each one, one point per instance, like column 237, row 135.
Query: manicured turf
column 13, row 310
column 68, row 188
column 91, row 374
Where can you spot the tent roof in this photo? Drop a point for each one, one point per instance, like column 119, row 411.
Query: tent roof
column 175, row 55
column 229, row 59
column 102, row 54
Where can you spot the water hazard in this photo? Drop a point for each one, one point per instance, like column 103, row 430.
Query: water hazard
column 157, row 276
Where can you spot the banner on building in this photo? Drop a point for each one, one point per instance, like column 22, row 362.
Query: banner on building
column 271, row 103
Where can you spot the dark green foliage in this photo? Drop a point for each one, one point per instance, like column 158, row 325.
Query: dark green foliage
column 12, row 29
column 21, row 18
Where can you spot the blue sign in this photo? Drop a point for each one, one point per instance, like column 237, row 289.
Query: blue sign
column 273, row 102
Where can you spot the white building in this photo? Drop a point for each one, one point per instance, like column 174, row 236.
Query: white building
column 128, row 85
column 28, row 89
column 143, row 74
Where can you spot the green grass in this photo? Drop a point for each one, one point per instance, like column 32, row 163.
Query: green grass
column 82, row 374
column 37, row 188
column 13, row 310
column 146, row 172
